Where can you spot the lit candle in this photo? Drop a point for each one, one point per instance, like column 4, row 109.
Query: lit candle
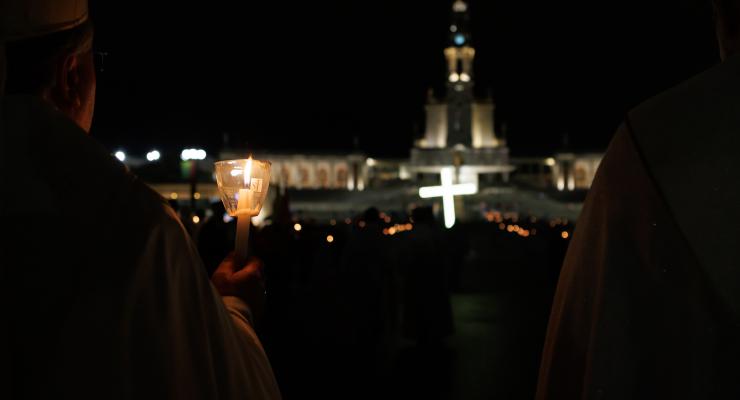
column 243, row 186
column 244, row 213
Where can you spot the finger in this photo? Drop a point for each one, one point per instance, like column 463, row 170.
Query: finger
column 227, row 265
column 252, row 270
column 256, row 263
column 252, row 262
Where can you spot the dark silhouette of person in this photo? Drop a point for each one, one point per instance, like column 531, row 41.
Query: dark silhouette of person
column 367, row 283
column 105, row 293
column 427, row 309
column 277, row 243
column 648, row 300
column 215, row 238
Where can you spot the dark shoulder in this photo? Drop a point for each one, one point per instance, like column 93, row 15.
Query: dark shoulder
column 694, row 116
column 87, row 184
column 694, row 95
column 143, row 200
column 687, row 138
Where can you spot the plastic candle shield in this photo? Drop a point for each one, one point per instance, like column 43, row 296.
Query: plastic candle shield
column 248, row 179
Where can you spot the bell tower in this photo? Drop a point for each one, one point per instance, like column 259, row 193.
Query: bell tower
column 460, row 55
column 460, row 130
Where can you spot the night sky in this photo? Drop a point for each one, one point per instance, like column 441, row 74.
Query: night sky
column 316, row 74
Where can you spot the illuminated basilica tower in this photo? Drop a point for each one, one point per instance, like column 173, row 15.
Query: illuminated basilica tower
column 460, row 129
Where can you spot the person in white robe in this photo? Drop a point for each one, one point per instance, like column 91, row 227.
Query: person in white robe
column 103, row 293
column 648, row 302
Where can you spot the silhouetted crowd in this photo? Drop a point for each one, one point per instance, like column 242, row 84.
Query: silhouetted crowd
column 349, row 297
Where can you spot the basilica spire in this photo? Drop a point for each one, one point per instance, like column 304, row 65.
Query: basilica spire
column 459, row 120
column 460, row 52
column 459, row 28
column 460, row 130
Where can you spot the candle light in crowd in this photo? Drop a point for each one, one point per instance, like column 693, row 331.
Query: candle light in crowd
column 243, row 216
column 243, row 187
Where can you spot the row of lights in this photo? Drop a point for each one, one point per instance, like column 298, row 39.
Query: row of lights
column 297, row 227
column 526, row 232
column 397, row 228
column 193, row 154
column 155, row 155
column 497, row 217
column 385, row 217
column 387, row 231
column 463, row 77
column 174, row 195
column 408, row 226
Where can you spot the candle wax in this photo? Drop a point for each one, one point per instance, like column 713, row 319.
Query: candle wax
column 243, row 220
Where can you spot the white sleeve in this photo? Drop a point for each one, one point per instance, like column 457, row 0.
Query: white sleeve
column 258, row 368
column 186, row 342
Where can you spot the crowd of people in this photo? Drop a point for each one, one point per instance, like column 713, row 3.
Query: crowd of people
column 366, row 288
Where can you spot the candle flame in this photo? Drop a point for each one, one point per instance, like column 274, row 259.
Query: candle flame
column 248, row 173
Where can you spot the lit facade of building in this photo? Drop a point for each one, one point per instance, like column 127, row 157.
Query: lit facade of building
column 575, row 171
column 459, row 139
column 315, row 171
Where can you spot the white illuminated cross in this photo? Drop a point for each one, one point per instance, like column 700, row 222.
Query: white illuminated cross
column 447, row 191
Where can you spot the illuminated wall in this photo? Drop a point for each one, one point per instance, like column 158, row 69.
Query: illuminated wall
column 436, row 132
column 483, row 129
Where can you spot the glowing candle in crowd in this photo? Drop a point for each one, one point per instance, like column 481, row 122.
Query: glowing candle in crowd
column 243, row 187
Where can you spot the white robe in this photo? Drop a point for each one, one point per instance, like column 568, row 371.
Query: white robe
column 648, row 302
column 103, row 293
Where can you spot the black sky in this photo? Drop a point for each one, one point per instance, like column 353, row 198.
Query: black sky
column 314, row 75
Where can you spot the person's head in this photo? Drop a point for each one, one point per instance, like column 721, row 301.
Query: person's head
column 727, row 19
column 49, row 54
column 423, row 215
column 371, row 216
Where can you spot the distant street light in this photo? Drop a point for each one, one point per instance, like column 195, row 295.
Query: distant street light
column 153, row 156
column 193, row 154
column 121, row 156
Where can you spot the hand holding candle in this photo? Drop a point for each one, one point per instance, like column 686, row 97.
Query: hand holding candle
column 243, row 187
